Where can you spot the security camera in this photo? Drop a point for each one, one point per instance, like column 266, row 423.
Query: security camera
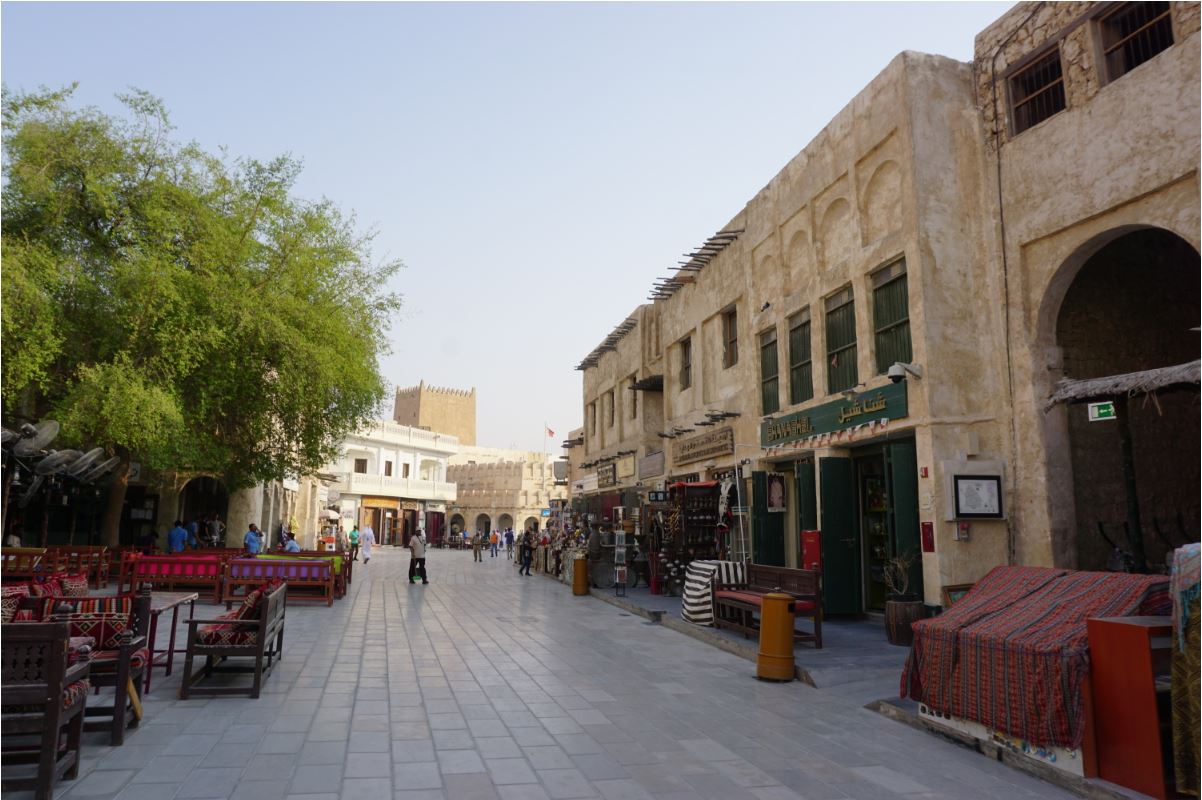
column 897, row 372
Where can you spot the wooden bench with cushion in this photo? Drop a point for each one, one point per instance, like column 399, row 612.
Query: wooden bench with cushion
column 92, row 561
column 22, row 563
column 170, row 572
column 45, row 692
column 340, row 565
column 736, row 605
column 254, row 630
column 299, row 574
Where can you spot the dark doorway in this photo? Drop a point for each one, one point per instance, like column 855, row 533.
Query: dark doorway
column 202, row 497
column 1131, row 307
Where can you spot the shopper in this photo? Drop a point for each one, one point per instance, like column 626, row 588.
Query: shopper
column 527, row 553
column 417, row 563
column 353, row 538
column 509, row 544
column 492, row 544
column 477, row 545
column 366, row 539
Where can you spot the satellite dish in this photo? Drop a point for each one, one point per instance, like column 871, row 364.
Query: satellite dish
column 30, row 492
column 101, row 469
column 84, row 462
column 56, row 462
column 36, row 437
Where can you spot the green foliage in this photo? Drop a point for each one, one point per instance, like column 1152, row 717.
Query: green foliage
column 178, row 307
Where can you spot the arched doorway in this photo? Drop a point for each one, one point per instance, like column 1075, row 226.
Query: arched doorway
column 483, row 524
column 457, row 523
column 531, row 524
column 202, row 498
column 504, row 522
column 1128, row 308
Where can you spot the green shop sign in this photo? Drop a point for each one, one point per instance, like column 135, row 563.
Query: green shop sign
column 885, row 402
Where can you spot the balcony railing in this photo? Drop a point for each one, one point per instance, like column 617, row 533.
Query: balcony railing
column 384, row 486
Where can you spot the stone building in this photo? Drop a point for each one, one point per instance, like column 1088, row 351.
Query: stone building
column 883, row 324
column 434, row 408
column 500, row 488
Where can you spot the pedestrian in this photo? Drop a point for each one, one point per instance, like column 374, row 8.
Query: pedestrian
column 216, row 531
column 252, row 542
column 417, row 561
column 509, row 544
column 194, row 533
column 353, row 538
column 492, row 544
column 527, row 553
column 292, row 546
column 366, row 539
column 477, row 545
column 177, row 538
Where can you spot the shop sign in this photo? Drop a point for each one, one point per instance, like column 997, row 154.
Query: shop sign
column 651, row 465
column 382, row 502
column 887, row 402
column 1101, row 411
column 607, row 476
column 657, row 497
column 546, row 512
column 625, row 466
column 720, row 442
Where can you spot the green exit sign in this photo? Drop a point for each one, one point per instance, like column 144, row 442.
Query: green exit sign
column 1101, row 411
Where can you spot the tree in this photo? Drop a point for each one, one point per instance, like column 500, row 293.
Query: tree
column 178, row 307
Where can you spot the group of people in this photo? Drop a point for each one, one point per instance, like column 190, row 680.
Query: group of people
column 493, row 541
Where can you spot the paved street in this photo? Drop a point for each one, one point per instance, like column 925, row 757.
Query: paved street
column 488, row 685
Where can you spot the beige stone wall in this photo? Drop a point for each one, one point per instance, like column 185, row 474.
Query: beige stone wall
column 438, row 409
column 498, row 482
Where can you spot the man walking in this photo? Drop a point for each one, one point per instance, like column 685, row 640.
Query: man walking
column 509, row 544
column 177, row 538
column 417, row 564
column 492, row 544
column 527, row 553
column 366, row 539
column 353, row 538
column 477, row 545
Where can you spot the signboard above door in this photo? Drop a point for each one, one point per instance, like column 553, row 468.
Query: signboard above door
column 886, row 402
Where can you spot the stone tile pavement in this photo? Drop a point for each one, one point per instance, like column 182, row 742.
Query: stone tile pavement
column 485, row 684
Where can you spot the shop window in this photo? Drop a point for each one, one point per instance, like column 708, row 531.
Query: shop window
column 841, row 372
column 1037, row 91
column 634, row 397
column 730, row 338
column 404, row 470
column 801, row 366
column 769, row 373
column 361, row 466
column 1132, row 34
column 891, row 316
column 686, row 364
column 610, row 402
column 387, row 469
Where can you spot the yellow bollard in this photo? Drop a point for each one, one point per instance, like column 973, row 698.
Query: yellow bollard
column 580, row 576
column 775, row 662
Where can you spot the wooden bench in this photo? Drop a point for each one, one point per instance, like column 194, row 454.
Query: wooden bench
column 249, row 573
column 169, row 572
column 735, row 605
column 90, row 560
column 22, row 563
column 255, row 631
column 340, row 565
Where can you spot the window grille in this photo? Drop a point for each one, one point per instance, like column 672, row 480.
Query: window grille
column 801, row 367
column 769, row 373
column 686, row 364
column 730, row 338
column 1134, row 33
column 1037, row 91
column 842, row 372
column 891, row 316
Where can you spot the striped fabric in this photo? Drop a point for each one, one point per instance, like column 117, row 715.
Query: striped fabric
column 153, row 567
column 1013, row 653
column 696, row 602
column 264, row 569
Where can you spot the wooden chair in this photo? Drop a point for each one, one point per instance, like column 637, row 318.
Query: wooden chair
column 254, row 631
column 92, row 561
column 22, row 563
column 43, row 697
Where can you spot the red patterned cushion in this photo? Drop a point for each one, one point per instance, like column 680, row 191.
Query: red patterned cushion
column 106, row 629
column 743, row 597
column 803, row 605
column 50, row 587
column 74, row 585
column 227, row 635
column 10, row 600
column 250, row 604
column 72, row 694
column 106, row 660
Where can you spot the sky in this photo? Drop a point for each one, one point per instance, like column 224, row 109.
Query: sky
column 534, row 165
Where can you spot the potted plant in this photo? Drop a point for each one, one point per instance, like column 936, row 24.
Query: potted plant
column 902, row 609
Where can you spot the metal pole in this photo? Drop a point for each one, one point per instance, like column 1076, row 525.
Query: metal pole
column 1134, row 530
column 739, row 499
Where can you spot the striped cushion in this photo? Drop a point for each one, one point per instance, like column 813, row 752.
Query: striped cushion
column 227, row 635
column 106, row 629
column 106, row 660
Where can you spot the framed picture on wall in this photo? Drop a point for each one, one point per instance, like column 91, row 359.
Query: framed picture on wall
column 977, row 496
column 776, row 492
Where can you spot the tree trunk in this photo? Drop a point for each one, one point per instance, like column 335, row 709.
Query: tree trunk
column 111, row 526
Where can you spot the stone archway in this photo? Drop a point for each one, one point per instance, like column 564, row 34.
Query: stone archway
column 457, row 523
column 201, row 498
column 531, row 524
column 504, row 522
column 483, row 524
column 1124, row 302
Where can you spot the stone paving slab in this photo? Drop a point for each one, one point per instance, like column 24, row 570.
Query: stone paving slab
column 485, row 684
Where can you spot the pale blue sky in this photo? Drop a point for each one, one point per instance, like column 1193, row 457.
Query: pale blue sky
column 536, row 166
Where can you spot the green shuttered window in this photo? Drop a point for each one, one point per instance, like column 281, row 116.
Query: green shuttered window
column 841, row 371
column 769, row 373
column 891, row 316
column 801, row 366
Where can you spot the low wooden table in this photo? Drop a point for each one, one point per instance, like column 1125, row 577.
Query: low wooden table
column 160, row 602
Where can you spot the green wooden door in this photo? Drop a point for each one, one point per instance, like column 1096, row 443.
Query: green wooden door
column 768, row 530
column 840, row 538
column 807, row 498
column 901, row 460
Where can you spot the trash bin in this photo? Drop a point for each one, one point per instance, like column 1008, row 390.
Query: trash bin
column 580, row 576
column 775, row 661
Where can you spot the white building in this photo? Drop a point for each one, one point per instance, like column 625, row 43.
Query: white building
column 394, row 478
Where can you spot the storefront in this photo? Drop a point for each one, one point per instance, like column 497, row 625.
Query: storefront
column 845, row 469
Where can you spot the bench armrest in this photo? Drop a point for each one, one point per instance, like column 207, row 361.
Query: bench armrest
column 192, row 622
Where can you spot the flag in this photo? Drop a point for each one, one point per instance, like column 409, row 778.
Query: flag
column 551, row 433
